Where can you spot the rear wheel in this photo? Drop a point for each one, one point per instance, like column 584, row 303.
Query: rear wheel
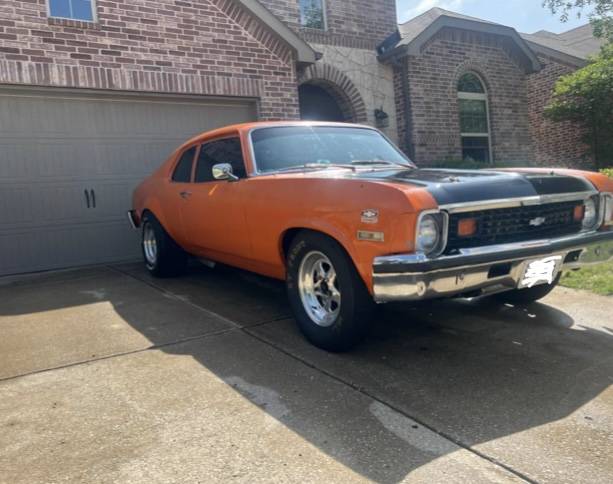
column 328, row 297
column 527, row 295
column 163, row 257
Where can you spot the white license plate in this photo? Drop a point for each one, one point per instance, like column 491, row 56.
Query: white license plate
column 541, row 271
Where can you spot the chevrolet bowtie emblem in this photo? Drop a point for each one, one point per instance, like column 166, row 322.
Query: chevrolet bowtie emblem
column 370, row 216
column 538, row 221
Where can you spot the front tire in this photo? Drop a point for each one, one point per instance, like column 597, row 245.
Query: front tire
column 329, row 300
column 527, row 295
column 163, row 257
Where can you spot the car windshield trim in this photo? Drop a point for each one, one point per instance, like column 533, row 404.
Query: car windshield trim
column 312, row 166
column 257, row 172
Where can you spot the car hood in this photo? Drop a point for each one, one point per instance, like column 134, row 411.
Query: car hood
column 460, row 186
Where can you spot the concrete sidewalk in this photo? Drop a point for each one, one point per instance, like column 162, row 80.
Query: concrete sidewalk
column 108, row 375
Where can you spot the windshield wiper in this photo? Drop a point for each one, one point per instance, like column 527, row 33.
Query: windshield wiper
column 314, row 166
column 379, row 162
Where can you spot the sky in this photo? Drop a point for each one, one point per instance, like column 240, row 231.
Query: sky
column 524, row 15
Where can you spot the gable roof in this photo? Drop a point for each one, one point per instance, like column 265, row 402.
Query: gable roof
column 578, row 43
column 304, row 52
column 417, row 31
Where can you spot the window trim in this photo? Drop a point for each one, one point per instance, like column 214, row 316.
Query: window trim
column 213, row 140
column 94, row 20
column 324, row 11
column 476, row 96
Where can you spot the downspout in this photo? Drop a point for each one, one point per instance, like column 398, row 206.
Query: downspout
column 408, row 112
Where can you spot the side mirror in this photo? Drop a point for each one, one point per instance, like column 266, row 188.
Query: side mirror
column 223, row 171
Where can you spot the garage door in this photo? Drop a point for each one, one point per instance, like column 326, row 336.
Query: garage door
column 69, row 163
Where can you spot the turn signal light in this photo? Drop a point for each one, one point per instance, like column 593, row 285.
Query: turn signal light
column 579, row 213
column 467, row 227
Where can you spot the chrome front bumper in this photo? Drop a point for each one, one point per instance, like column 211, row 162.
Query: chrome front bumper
column 480, row 271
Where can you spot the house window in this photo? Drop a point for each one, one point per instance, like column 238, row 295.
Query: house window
column 474, row 119
column 312, row 14
column 72, row 9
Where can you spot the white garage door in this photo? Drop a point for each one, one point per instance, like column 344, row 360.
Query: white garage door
column 69, row 162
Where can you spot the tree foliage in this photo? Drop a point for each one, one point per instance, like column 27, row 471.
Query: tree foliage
column 600, row 16
column 586, row 98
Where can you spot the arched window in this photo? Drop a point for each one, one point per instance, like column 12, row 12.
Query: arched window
column 474, row 119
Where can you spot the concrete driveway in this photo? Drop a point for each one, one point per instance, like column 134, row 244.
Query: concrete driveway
column 108, row 375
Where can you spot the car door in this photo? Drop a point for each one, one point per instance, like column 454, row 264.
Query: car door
column 213, row 217
column 177, row 195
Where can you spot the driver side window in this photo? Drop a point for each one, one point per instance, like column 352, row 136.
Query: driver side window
column 227, row 150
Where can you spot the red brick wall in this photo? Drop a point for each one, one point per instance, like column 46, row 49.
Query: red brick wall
column 351, row 23
column 433, row 99
column 555, row 144
column 207, row 47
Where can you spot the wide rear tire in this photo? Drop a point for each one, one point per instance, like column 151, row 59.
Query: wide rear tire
column 163, row 257
column 329, row 300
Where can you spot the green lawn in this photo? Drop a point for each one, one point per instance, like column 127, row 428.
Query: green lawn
column 598, row 279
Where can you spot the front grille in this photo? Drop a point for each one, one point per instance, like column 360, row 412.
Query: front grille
column 507, row 225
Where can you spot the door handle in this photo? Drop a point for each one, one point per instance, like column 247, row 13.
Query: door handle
column 185, row 195
column 93, row 198
column 87, row 198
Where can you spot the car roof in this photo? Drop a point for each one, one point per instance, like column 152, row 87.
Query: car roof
column 242, row 127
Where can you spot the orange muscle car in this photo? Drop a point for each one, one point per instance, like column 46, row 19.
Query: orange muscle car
column 340, row 214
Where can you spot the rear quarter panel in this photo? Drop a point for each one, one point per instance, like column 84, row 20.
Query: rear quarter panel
column 153, row 195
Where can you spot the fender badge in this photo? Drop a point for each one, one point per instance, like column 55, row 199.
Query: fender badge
column 370, row 216
column 371, row 236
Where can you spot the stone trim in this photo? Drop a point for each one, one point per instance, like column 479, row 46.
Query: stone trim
column 340, row 87
column 338, row 40
column 56, row 75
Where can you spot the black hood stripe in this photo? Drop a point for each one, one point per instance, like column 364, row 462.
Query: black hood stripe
column 464, row 186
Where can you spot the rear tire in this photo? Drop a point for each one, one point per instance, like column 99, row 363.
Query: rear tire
column 528, row 295
column 163, row 257
column 329, row 300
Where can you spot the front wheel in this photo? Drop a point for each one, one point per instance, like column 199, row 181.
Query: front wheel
column 527, row 295
column 329, row 300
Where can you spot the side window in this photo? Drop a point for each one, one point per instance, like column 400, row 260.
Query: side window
column 183, row 171
column 223, row 151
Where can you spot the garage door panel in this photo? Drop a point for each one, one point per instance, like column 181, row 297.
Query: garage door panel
column 60, row 247
column 56, row 144
column 42, row 204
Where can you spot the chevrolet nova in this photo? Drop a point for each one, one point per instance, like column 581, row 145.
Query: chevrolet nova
column 340, row 214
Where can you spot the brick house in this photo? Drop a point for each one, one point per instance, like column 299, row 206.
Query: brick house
column 94, row 94
column 468, row 88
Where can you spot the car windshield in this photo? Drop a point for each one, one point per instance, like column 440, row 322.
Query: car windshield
column 312, row 147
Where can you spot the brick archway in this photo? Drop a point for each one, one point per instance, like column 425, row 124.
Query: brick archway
column 340, row 87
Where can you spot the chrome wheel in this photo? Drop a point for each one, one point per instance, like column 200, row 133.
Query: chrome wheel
column 319, row 290
column 150, row 246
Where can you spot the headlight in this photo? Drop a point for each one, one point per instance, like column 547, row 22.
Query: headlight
column 608, row 209
column 590, row 219
column 429, row 233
